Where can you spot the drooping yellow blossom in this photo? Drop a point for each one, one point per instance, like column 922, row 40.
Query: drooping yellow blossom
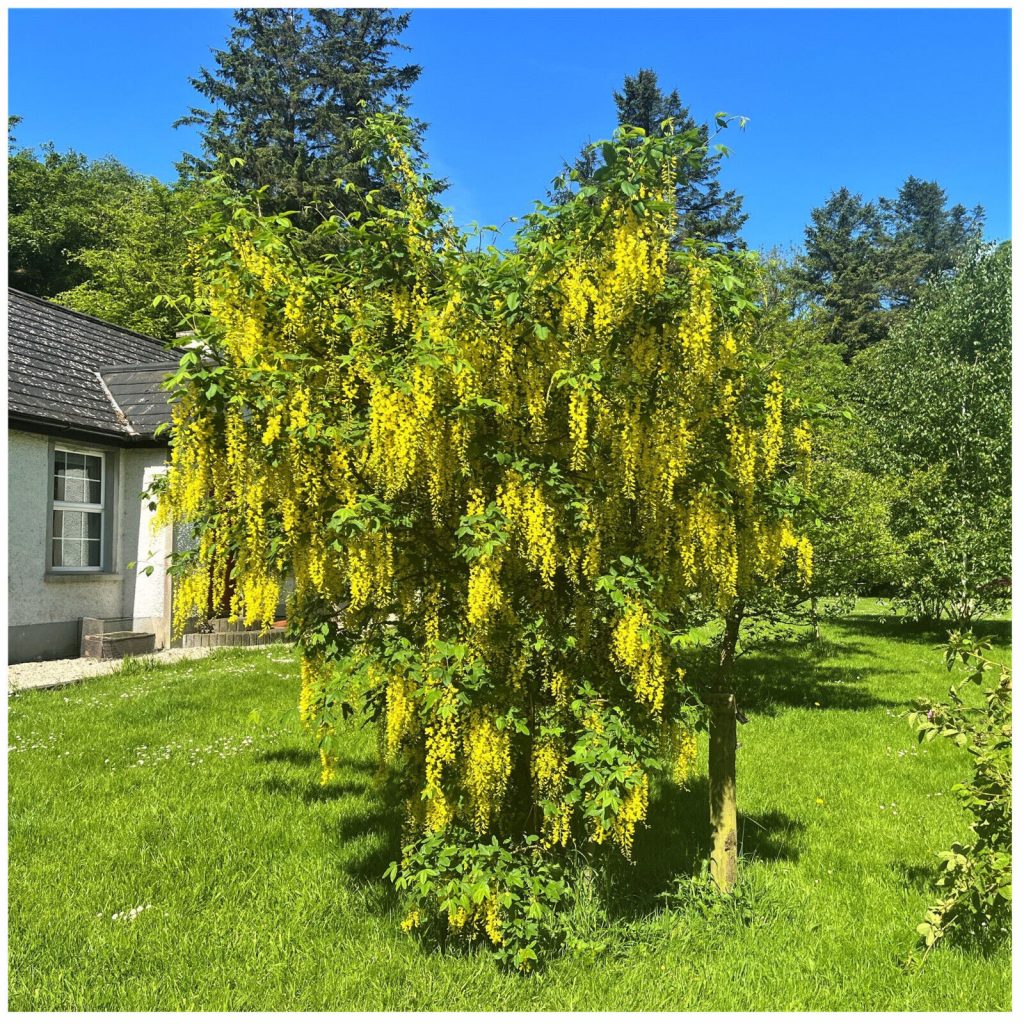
column 632, row 811
column 679, row 743
column 400, row 713
column 805, row 560
column 442, row 736
column 487, row 766
column 635, row 650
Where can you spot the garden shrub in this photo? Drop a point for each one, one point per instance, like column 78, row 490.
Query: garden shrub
column 975, row 878
column 507, row 485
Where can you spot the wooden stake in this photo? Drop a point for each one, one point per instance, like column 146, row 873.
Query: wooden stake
column 722, row 784
column 722, row 759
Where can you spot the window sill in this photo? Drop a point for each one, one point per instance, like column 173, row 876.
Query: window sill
column 56, row 576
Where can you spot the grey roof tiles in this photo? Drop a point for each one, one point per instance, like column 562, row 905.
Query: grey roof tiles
column 66, row 369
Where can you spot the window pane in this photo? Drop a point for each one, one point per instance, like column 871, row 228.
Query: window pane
column 75, row 484
column 74, row 525
column 77, row 477
column 58, row 476
column 77, row 534
column 69, row 553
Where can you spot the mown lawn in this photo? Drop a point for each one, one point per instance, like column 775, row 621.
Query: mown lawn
column 190, row 792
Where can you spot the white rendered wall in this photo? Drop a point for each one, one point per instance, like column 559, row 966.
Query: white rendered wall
column 37, row 597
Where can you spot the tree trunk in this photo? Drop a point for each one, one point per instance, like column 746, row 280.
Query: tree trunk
column 814, row 618
column 722, row 760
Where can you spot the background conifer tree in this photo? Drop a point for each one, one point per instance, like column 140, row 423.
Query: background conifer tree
column 865, row 260
column 284, row 93
column 706, row 212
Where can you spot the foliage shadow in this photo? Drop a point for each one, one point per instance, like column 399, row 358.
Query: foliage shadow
column 677, row 842
column 923, row 631
column 773, row 678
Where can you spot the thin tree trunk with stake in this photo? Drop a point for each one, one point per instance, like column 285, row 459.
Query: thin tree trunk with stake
column 722, row 759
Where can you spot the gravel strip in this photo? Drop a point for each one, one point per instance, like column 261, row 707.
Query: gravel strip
column 44, row 675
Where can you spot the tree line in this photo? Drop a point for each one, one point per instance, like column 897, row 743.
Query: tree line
column 894, row 313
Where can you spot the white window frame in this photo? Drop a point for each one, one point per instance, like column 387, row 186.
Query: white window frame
column 78, row 506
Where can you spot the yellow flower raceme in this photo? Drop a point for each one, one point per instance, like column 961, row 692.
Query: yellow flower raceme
column 631, row 813
column 487, row 767
column 637, row 651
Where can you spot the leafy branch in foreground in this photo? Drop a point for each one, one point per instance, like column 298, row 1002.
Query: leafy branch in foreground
column 975, row 877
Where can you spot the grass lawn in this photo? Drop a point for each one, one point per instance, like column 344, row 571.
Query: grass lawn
column 189, row 792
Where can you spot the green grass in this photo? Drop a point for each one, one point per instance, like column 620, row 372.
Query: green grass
column 188, row 791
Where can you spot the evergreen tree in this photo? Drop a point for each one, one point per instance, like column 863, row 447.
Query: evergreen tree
column 841, row 270
column 925, row 238
column 863, row 260
column 705, row 210
column 285, row 92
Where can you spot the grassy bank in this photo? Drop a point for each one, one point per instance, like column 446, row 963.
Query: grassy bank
column 170, row 848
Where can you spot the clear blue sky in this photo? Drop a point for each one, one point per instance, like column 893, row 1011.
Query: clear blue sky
column 860, row 98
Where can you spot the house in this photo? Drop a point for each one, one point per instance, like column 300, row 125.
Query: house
column 84, row 405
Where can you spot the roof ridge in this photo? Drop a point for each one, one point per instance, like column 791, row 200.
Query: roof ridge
column 122, row 419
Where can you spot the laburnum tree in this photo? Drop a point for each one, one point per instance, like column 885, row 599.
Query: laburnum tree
column 507, row 486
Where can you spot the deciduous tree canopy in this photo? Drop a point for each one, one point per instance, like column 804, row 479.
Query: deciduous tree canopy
column 506, row 484
column 936, row 401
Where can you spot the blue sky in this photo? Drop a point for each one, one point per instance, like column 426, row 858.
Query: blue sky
column 860, row 98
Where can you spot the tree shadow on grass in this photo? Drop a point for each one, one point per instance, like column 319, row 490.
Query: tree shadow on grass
column 925, row 631
column 371, row 843
column 367, row 831
column 779, row 676
column 678, row 841
column 305, row 756
column 310, row 791
column 353, row 775
column 370, row 839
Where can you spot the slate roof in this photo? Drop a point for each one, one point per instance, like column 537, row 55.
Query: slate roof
column 137, row 393
column 72, row 372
